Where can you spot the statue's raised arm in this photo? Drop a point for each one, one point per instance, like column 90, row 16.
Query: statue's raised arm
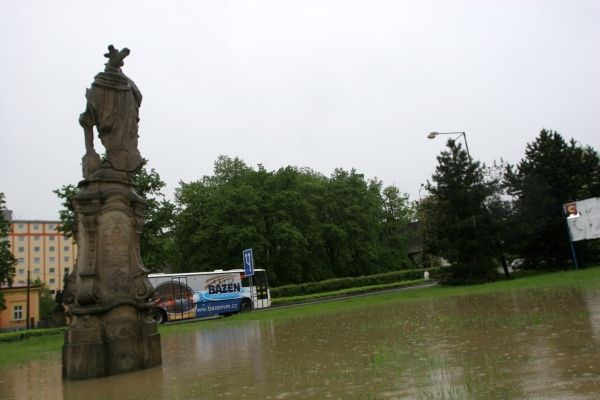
column 113, row 104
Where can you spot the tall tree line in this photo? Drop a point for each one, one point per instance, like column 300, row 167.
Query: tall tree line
column 305, row 226
column 475, row 217
column 302, row 225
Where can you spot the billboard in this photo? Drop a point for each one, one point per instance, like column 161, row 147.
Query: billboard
column 198, row 294
column 583, row 219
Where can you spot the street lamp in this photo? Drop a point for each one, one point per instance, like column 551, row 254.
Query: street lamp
column 432, row 135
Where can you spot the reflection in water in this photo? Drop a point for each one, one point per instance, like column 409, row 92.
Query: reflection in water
column 535, row 344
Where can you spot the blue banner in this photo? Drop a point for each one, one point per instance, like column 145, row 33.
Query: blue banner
column 248, row 262
column 208, row 308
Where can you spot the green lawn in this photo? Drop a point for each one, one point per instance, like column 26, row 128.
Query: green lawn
column 49, row 347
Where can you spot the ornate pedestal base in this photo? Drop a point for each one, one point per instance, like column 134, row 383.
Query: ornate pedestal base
column 111, row 329
column 121, row 340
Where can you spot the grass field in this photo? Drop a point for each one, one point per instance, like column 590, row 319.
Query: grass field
column 48, row 347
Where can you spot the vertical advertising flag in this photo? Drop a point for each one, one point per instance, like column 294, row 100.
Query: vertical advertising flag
column 248, row 262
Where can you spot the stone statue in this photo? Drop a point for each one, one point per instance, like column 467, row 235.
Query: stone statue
column 107, row 297
column 113, row 104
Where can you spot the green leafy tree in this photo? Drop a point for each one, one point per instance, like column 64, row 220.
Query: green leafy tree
column 458, row 224
column 156, row 239
column 301, row 225
column 67, row 213
column 397, row 215
column 292, row 214
column 47, row 303
column 218, row 217
column 159, row 213
column 7, row 260
column 553, row 172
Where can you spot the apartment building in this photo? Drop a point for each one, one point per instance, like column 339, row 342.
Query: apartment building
column 42, row 251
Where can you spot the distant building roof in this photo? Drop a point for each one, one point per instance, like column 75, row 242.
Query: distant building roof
column 18, row 286
column 36, row 221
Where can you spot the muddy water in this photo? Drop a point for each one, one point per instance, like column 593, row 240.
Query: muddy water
column 518, row 345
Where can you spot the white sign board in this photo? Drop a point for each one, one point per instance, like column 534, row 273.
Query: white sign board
column 584, row 221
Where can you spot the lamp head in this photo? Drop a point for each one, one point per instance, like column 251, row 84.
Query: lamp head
column 432, row 135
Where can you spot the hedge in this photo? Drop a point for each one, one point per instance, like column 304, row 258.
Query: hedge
column 29, row 333
column 330, row 285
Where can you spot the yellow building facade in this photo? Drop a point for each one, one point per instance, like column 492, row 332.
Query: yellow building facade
column 19, row 305
column 41, row 251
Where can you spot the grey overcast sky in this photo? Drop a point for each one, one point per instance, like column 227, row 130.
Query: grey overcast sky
column 319, row 84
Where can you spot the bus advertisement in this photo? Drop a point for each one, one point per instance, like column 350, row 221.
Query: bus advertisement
column 207, row 294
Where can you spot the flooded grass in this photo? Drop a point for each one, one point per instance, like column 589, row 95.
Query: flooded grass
column 538, row 338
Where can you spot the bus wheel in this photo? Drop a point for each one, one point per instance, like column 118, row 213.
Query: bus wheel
column 245, row 306
column 160, row 316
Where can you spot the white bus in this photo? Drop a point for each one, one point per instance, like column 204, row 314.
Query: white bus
column 207, row 294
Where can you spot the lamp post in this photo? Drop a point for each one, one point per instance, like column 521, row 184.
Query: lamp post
column 432, row 135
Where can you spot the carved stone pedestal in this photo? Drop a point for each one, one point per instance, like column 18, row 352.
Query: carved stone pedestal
column 111, row 329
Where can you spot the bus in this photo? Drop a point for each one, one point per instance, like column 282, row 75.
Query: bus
column 208, row 294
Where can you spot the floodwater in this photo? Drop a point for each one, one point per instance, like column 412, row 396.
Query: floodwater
column 515, row 345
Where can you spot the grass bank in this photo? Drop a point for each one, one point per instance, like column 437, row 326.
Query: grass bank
column 48, row 347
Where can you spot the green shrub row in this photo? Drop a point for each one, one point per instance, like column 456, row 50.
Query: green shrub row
column 284, row 301
column 350, row 282
column 26, row 334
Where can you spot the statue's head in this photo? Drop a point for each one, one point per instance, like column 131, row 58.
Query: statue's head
column 115, row 58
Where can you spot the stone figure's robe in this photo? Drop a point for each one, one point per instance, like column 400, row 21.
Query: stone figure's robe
column 113, row 104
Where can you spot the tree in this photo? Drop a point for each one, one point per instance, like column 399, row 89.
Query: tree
column 47, row 303
column 7, row 260
column 458, row 225
column 302, row 225
column 553, row 172
column 159, row 214
column 67, row 214
column 155, row 242
column 219, row 216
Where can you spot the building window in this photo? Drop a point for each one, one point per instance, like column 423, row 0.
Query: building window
column 66, row 248
column 66, row 258
column 36, row 249
column 51, row 248
column 21, row 226
column 51, row 238
column 50, row 227
column 21, row 249
column 36, row 259
column 17, row 313
column 21, row 271
column 36, row 270
column 51, row 270
column 21, row 282
column 36, row 238
column 21, row 260
column 52, row 280
column 36, row 227
column 51, row 258
column 21, row 238
column 66, row 271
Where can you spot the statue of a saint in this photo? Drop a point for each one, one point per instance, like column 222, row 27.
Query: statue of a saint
column 113, row 104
